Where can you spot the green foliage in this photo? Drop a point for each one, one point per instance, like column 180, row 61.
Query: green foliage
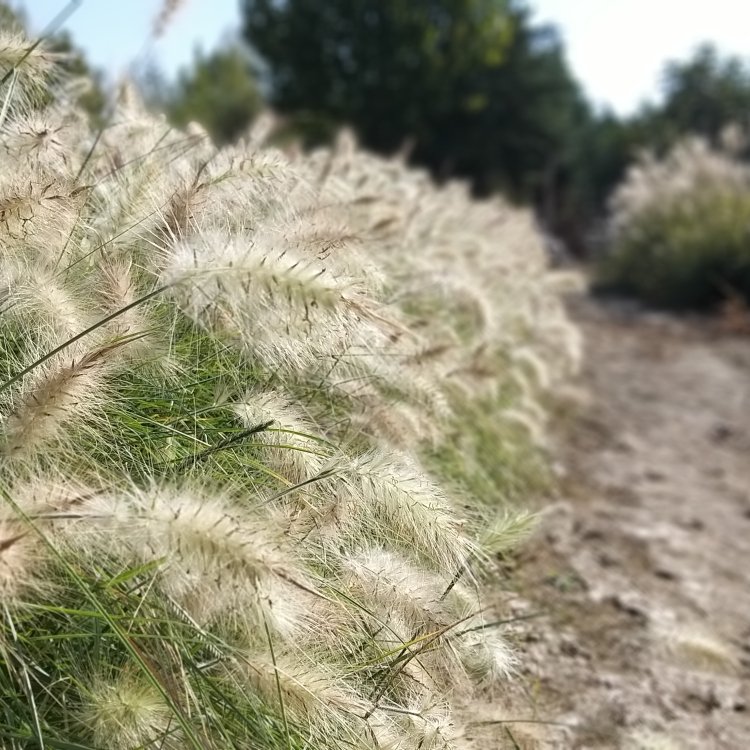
column 219, row 91
column 704, row 94
column 472, row 86
column 689, row 255
column 601, row 152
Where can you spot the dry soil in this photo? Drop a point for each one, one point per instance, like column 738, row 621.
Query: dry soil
column 637, row 584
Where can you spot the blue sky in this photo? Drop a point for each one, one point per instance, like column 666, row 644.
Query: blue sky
column 616, row 48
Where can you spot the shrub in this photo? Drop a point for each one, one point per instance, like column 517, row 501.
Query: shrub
column 225, row 380
column 681, row 228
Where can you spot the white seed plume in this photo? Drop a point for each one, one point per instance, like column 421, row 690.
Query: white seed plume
column 217, row 558
column 398, row 504
column 309, row 690
column 293, row 449
column 66, row 389
column 20, row 561
column 128, row 712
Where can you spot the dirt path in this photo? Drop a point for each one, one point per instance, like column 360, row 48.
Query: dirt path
column 642, row 570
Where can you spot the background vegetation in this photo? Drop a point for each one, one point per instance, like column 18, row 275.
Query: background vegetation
column 503, row 111
column 467, row 88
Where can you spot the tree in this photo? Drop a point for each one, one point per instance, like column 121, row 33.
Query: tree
column 472, row 85
column 219, row 91
column 705, row 93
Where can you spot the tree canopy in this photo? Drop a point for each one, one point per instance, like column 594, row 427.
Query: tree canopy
column 473, row 86
column 705, row 93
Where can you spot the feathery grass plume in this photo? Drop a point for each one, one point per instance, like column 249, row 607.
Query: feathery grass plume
column 396, row 503
column 287, row 310
column 38, row 137
column 45, row 497
column 251, row 187
column 391, row 584
column 307, row 689
column 68, row 387
column 48, row 311
column 181, row 215
column 323, row 232
column 383, row 732
column 487, row 657
column 527, row 420
column 38, row 213
column 216, row 556
column 416, row 604
column 20, row 561
column 506, row 530
column 390, row 422
column 140, row 167
column 117, row 291
column 431, row 725
column 529, row 361
column 131, row 201
column 564, row 343
column 125, row 712
column 292, row 448
column 30, row 70
column 450, row 229
column 416, row 383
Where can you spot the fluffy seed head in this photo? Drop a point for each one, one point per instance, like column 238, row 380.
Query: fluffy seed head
column 286, row 307
column 34, row 68
column 216, row 557
column 127, row 712
column 66, row 389
column 47, row 309
column 310, row 690
column 393, row 586
column 19, row 561
column 292, row 449
column 401, row 506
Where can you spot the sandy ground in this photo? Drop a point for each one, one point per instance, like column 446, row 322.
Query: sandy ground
column 638, row 581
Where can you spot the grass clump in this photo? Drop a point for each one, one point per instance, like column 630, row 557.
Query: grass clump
column 681, row 229
column 229, row 385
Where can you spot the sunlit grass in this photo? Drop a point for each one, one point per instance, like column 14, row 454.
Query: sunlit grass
column 262, row 435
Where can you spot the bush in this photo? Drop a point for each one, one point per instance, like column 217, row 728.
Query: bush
column 226, row 377
column 681, row 229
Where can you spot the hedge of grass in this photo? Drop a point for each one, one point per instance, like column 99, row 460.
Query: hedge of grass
column 265, row 421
